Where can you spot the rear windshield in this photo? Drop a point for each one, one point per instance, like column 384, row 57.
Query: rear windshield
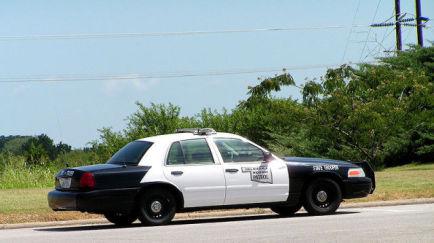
column 131, row 153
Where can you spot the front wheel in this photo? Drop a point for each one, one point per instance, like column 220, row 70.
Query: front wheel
column 156, row 207
column 120, row 219
column 322, row 196
column 286, row 211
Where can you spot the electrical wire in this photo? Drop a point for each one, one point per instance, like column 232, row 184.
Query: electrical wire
column 75, row 78
column 157, row 34
column 369, row 31
column 351, row 31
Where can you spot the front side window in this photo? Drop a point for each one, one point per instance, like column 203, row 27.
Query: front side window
column 237, row 150
column 130, row 154
column 194, row 151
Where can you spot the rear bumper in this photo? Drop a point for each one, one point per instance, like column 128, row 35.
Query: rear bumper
column 357, row 187
column 99, row 201
column 62, row 201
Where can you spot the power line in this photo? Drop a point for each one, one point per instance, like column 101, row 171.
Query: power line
column 351, row 31
column 157, row 34
column 369, row 31
column 75, row 78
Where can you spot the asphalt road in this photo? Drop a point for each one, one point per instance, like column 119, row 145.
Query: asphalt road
column 409, row 223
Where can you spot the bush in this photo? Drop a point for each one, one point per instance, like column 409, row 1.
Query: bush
column 15, row 173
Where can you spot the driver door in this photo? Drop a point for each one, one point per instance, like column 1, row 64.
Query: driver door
column 249, row 178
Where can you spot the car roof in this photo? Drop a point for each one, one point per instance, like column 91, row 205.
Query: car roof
column 186, row 135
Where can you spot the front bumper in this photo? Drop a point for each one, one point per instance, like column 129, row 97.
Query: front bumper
column 357, row 187
column 98, row 201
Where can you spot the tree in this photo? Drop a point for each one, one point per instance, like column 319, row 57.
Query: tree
column 382, row 113
column 378, row 113
column 34, row 152
column 41, row 149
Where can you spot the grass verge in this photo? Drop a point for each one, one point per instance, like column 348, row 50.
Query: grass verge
column 404, row 182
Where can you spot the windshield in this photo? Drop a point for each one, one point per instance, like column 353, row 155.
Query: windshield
column 131, row 153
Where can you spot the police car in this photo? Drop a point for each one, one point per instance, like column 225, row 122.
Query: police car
column 153, row 178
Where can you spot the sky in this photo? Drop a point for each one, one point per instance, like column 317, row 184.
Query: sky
column 73, row 111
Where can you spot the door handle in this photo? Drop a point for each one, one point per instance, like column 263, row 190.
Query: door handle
column 177, row 172
column 232, row 170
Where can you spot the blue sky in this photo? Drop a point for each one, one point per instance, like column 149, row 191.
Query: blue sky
column 73, row 111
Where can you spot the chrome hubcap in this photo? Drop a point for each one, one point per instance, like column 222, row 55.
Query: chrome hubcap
column 321, row 196
column 156, row 206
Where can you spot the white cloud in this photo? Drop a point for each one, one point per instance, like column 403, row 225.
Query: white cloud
column 20, row 89
column 116, row 86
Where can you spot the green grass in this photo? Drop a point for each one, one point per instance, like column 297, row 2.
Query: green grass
column 15, row 173
column 30, row 205
column 37, row 177
column 23, row 200
column 404, row 182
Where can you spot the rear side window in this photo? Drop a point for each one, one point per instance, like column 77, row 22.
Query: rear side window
column 130, row 154
column 194, row 151
column 237, row 150
column 176, row 156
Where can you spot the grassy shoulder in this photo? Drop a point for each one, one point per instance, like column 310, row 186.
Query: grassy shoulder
column 404, row 182
column 30, row 205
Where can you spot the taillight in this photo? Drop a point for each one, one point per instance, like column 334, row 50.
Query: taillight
column 356, row 172
column 87, row 181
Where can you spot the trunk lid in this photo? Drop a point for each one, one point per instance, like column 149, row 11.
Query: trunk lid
column 69, row 179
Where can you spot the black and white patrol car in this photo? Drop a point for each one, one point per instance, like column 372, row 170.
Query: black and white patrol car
column 153, row 178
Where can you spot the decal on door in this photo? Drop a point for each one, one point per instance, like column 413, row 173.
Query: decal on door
column 261, row 174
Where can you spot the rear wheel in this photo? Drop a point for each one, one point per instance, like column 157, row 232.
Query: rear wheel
column 322, row 196
column 156, row 207
column 120, row 219
column 286, row 211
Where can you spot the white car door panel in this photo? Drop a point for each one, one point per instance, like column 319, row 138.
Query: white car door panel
column 269, row 183
column 201, row 185
column 191, row 166
column 256, row 181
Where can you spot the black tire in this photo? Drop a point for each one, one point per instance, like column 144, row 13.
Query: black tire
column 156, row 207
column 121, row 219
column 322, row 196
column 286, row 211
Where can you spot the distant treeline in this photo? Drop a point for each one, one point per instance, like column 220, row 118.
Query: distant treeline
column 36, row 149
column 32, row 161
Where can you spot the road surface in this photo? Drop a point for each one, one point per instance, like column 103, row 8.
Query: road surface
column 407, row 223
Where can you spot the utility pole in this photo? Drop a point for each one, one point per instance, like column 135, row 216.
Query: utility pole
column 419, row 24
column 400, row 21
column 398, row 25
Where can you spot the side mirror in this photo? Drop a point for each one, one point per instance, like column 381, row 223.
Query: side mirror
column 268, row 157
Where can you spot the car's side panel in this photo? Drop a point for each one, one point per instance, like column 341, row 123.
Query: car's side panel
column 201, row 185
column 241, row 187
column 253, row 182
column 125, row 177
column 301, row 173
column 107, row 176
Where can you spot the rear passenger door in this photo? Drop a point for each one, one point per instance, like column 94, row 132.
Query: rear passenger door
column 192, row 168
